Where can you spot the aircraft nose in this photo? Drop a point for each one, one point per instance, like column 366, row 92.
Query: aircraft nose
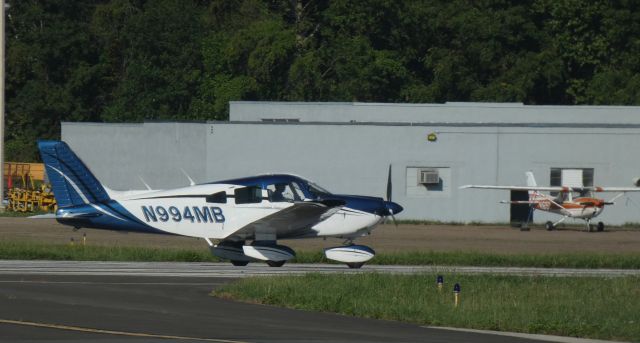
column 393, row 208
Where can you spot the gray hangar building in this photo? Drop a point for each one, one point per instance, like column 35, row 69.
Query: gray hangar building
column 348, row 148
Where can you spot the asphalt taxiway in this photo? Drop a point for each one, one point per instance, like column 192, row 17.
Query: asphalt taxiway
column 226, row 270
column 160, row 302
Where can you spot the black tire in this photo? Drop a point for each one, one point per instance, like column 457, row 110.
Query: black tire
column 276, row 263
column 549, row 226
column 600, row 226
column 239, row 263
column 355, row 265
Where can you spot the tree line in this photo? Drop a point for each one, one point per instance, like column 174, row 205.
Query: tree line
column 136, row 60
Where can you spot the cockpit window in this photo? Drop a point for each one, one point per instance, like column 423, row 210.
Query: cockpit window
column 219, row 198
column 248, row 195
column 282, row 192
column 316, row 190
column 297, row 190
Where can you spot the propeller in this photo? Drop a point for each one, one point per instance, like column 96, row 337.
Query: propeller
column 389, row 185
column 389, row 191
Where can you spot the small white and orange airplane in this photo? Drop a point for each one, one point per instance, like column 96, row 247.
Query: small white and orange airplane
column 565, row 204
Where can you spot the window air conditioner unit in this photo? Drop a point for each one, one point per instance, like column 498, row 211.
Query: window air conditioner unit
column 428, row 177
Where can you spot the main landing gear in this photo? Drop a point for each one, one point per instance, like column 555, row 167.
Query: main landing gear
column 552, row 226
column 589, row 228
column 355, row 265
column 274, row 255
column 275, row 263
column 549, row 226
column 599, row 226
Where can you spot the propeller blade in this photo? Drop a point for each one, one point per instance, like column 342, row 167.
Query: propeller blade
column 389, row 185
column 393, row 218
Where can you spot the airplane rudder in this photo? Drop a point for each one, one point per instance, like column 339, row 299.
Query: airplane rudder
column 72, row 182
column 531, row 180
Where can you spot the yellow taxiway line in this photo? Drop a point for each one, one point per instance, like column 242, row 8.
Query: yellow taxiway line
column 112, row 332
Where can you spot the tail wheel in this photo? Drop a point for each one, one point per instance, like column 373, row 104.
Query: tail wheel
column 549, row 226
column 600, row 226
column 276, row 263
column 355, row 265
column 239, row 263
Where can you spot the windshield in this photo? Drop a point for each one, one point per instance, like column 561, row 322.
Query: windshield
column 317, row 191
column 283, row 192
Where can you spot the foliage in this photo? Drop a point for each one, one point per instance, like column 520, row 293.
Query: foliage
column 136, row 60
column 604, row 308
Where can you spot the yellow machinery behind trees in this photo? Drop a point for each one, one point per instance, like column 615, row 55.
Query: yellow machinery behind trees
column 27, row 190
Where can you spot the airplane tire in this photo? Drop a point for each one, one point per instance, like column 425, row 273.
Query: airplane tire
column 276, row 263
column 355, row 265
column 600, row 226
column 549, row 226
column 239, row 263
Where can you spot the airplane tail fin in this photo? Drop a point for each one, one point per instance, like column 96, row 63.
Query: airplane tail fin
column 531, row 182
column 72, row 182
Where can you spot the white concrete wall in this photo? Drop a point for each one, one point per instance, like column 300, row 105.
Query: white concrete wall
column 119, row 154
column 452, row 112
column 354, row 157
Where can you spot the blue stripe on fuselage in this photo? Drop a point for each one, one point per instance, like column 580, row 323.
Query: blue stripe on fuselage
column 371, row 205
column 114, row 217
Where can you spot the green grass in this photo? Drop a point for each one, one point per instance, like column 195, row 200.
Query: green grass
column 40, row 251
column 581, row 307
column 78, row 252
column 21, row 214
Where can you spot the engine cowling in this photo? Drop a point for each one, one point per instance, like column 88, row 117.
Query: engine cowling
column 269, row 252
column 636, row 181
column 350, row 253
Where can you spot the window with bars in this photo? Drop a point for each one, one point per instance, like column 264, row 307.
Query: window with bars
column 572, row 177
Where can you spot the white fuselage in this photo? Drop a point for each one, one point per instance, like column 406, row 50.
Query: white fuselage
column 186, row 211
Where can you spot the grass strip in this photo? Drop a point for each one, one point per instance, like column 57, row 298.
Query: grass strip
column 602, row 308
column 11, row 214
column 16, row 250
column 79, row 252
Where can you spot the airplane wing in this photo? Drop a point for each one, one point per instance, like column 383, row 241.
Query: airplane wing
column 556, row 188
column 293, row 221
column 613, row 189
column 524, row 202
column 521, row 188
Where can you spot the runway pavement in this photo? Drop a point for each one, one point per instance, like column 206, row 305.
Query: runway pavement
column 123, row 308
column 160, row 302
column 226, row 270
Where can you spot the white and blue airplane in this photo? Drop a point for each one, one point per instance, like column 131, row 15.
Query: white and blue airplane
column 259, row 209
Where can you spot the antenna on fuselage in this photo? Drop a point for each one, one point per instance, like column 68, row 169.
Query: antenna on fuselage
column 191, row 182
column 144, row 183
